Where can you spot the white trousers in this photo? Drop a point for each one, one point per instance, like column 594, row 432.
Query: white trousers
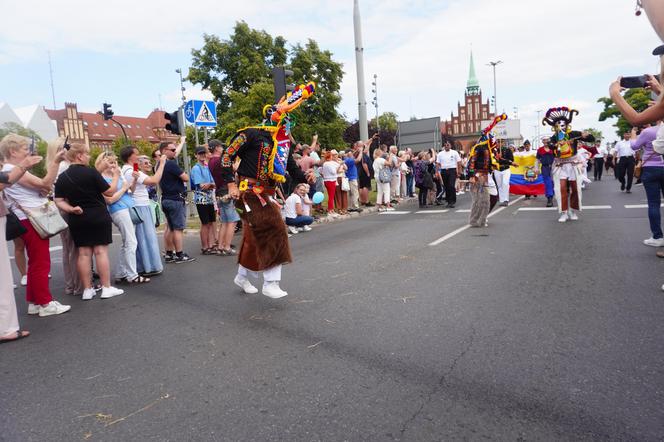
column 395, row 185
column 383, row 193
column 503, row 184
column 8, row 315
column 126, row 260
column 354, row 200
column 269, row 275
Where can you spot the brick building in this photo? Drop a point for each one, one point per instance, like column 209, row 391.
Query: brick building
column 465, row 127
column 94, row 131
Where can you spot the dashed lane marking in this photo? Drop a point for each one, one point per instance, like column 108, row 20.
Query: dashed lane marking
column 463, row 211
column 467, row 226
column 638, row 206
column 540, row 209
column 395, row 212
column 432, row 211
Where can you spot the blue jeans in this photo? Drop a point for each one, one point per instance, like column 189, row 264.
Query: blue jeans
column 148, row 256
column 299, row 221
column 409, row 184
column 653, row 183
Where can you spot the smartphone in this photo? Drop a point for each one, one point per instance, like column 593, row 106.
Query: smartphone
column 33, row 149
column 635, row 82
column 135, row 167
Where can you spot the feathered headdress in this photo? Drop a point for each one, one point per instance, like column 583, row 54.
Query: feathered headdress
column 557, row 114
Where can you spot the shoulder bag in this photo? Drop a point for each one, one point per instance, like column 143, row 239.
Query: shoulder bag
column 638, row 169
column 45, row 219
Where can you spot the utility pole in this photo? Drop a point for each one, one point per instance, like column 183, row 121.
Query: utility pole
column 495, row 99
column 538, row 125
column 375, row 100
column 359, row 67
column 50, row 71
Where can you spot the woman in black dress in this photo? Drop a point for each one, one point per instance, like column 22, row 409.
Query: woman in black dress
column 80, row 192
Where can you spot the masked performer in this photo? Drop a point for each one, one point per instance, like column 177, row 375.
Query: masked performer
column 481, row 162
column 266, row 156
column 567, row 167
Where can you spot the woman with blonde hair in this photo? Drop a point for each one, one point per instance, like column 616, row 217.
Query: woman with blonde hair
column 382, row 180
column 27, row 193
column 330, row 171
column 9, row 327
column 120, row 206
column 80, row 192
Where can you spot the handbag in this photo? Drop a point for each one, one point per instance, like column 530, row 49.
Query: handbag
column 345, row 184
column 135, row 216
column 158, row 218
column 638, row 169
column 14, row 228
column 45, row 219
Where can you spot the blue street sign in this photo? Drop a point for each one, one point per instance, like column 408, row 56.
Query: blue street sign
column 201, row 113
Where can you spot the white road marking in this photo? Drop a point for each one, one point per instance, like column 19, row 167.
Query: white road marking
column 467, row 226
column 595, row 207
column 432, row 211
column 638, row 206
column 463, row 211
column 395, row 212
column 535, row 209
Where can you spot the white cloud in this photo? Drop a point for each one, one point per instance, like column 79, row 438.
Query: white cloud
column 553, row 53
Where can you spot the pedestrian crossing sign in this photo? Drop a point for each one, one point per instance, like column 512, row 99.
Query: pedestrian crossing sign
column 204, row 113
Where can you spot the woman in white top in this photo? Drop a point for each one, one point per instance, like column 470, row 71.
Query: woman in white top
column 148, row 256
column 395, row 164
column 27, row 192
column 383, row 188
column 330, row 171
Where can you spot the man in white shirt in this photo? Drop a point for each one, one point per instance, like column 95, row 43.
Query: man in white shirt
column 448, row 161
column 599, row 162
column 626, row 162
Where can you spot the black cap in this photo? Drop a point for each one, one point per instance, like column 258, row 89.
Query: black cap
column 659, row 50
column 200, row 150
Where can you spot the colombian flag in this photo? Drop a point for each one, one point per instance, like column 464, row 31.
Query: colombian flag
column 525, row 179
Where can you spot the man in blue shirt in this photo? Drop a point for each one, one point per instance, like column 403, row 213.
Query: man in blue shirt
column 203, row 186
column 173, row 196
column 353, row 157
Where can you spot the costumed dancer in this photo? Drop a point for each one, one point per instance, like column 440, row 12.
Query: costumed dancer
column 481, row 162
column 567, row 167
column 266, row 156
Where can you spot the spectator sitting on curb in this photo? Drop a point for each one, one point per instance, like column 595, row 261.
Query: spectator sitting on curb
column 295, row 217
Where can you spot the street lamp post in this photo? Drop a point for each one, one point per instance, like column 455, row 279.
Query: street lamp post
column 539, row 111
column 495, row 100
column 375, row 100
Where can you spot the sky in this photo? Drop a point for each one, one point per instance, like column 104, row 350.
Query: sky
column 563, row 53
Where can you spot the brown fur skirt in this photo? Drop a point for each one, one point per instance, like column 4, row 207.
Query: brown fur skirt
column 264, row 240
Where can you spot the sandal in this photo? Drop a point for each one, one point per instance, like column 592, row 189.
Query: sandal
column 20, row 334
column 138, row 280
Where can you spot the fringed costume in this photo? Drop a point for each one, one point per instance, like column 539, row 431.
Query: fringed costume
column 567, row 167
column 481, row 163
column 265, row 157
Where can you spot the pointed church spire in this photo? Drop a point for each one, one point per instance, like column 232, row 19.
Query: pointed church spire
column 473, row 86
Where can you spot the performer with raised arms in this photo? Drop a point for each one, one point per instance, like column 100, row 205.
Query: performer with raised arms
column 266, row 155
column 567, row 173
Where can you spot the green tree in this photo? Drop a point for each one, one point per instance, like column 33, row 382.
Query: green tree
column 595, row 133
column 237, row 72
column 389, row 121
column 637, row 98
column 40, row 145
column 236, row 64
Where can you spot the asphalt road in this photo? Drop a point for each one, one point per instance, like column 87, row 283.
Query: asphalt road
column 526, row 330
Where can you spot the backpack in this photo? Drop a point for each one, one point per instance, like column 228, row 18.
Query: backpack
column 385, row 175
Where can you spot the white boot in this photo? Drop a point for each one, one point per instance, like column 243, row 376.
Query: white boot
column 245, row 285
column 272, row 290
column 563, row 217
column 572, row 215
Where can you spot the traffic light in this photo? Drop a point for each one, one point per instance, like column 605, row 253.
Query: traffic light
column 279, row 76
column 108, row 112
column 175, row 121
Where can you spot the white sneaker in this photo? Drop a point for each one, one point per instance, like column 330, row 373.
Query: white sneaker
column 334, row 214
column 24, row 280
column 15, row 286
column 33, row 309
column 654, row 242
column 109, row 292
column 573, row 216
column 300, row 229
column 53, row 308
column 390, row 209
column 88, row 294
column 292, row 230
column 563, row 217
column 306, row 228
column 245, row 285
column 272, row 290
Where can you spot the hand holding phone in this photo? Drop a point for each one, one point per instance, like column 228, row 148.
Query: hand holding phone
column 135, row 167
